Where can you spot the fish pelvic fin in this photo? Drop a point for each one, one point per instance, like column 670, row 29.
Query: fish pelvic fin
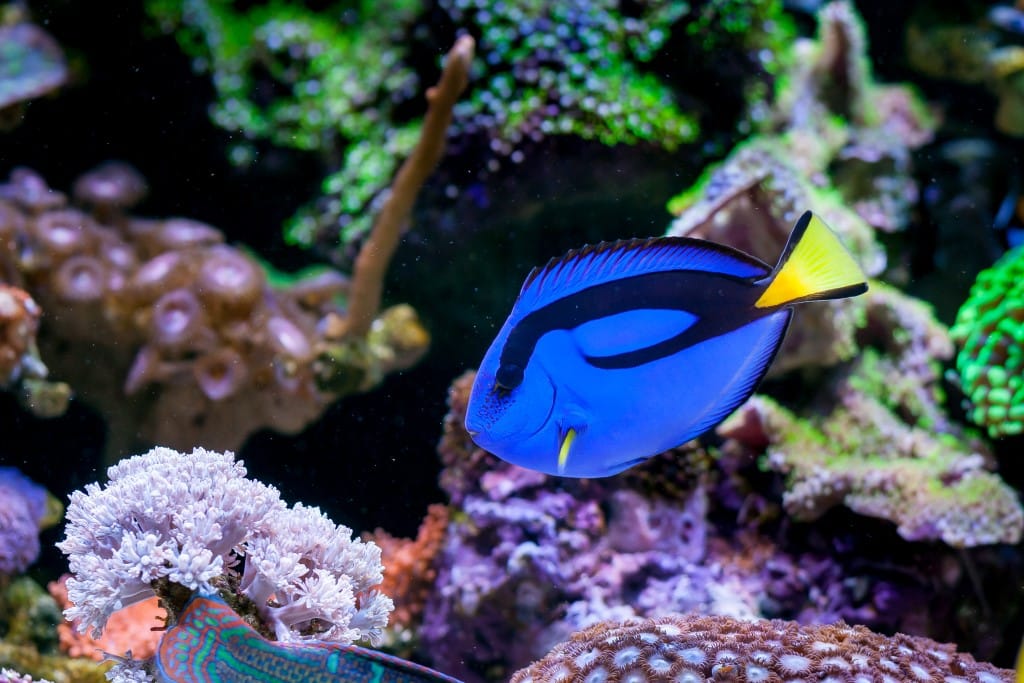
column 563, row 452
column 814, row 266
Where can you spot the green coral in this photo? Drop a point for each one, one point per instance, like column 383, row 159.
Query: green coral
column 989, row 330
column 570, row 68
column 877, row 441
column 325, row 81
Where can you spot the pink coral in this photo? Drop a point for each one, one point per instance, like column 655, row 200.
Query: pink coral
column 409, row 571
column 136, row 628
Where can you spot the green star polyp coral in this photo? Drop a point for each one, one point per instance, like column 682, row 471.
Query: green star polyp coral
column 989, row 330
column 324, row 81
column 571, row 68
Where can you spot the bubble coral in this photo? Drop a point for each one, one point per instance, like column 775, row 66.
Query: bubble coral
column 989, row 330
column 698, row 648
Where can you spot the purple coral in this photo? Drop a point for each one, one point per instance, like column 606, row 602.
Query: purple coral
column 11, row 676
column 22, row 509
column 190, row 520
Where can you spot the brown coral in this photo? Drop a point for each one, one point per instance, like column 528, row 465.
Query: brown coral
column 409, row 572
column 19, row 322
column 695, row 649
column 187, row 326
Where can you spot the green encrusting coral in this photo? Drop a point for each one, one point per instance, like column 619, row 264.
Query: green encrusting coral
column 323, row 81
column 342, row 81
column 989, row 330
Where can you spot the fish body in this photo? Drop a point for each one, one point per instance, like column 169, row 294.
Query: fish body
column 617, row 352
column 210, row 643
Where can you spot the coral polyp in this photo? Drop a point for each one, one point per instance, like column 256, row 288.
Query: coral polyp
column 989, row 330
column 693, row 649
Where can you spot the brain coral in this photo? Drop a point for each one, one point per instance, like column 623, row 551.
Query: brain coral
column 989, row 330
column 696, row 648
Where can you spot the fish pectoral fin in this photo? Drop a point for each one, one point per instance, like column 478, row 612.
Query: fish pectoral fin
column 563, row 451
column 814, row 265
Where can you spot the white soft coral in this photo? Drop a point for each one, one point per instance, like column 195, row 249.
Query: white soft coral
column 190, row 519
column 303, row 569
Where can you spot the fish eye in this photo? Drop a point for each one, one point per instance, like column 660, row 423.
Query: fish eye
column 508, row 377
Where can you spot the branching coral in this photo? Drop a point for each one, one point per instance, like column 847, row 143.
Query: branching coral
column 699, row 648
column 186, row 325
column 168, row 520
column 409, row 569
column 989, row 330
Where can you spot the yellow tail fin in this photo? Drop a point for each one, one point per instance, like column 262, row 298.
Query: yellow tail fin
column 814, row 265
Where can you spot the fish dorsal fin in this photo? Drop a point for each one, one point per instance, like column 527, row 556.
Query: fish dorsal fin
column 600, row 263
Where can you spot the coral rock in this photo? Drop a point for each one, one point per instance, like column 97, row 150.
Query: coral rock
column 187, row 326
column 698, row 648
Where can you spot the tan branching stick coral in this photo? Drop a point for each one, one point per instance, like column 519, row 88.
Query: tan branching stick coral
column 372, row 263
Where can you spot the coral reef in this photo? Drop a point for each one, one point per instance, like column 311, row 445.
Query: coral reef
column 409, row 571
column 25, row 508
column 528, row 559
column 972, row 48
column 833, row 140
column 831, row 136
column 168, row 524
column 28, row 615
column 185, row 325
column 989, row 330
column 21, row 369
column 883, row 447
column 136, row 628
column 31, row 64
column 11, row 676
column 701, row 648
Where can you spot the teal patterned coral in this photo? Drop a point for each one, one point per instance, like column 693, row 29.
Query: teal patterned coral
column 989, row 330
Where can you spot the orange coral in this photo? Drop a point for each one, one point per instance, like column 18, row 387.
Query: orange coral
column 19, row 322
column 136, row 628
column 716, row 648
column 409, row 571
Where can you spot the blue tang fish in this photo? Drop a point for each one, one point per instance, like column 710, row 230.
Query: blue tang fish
column 617, row 352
